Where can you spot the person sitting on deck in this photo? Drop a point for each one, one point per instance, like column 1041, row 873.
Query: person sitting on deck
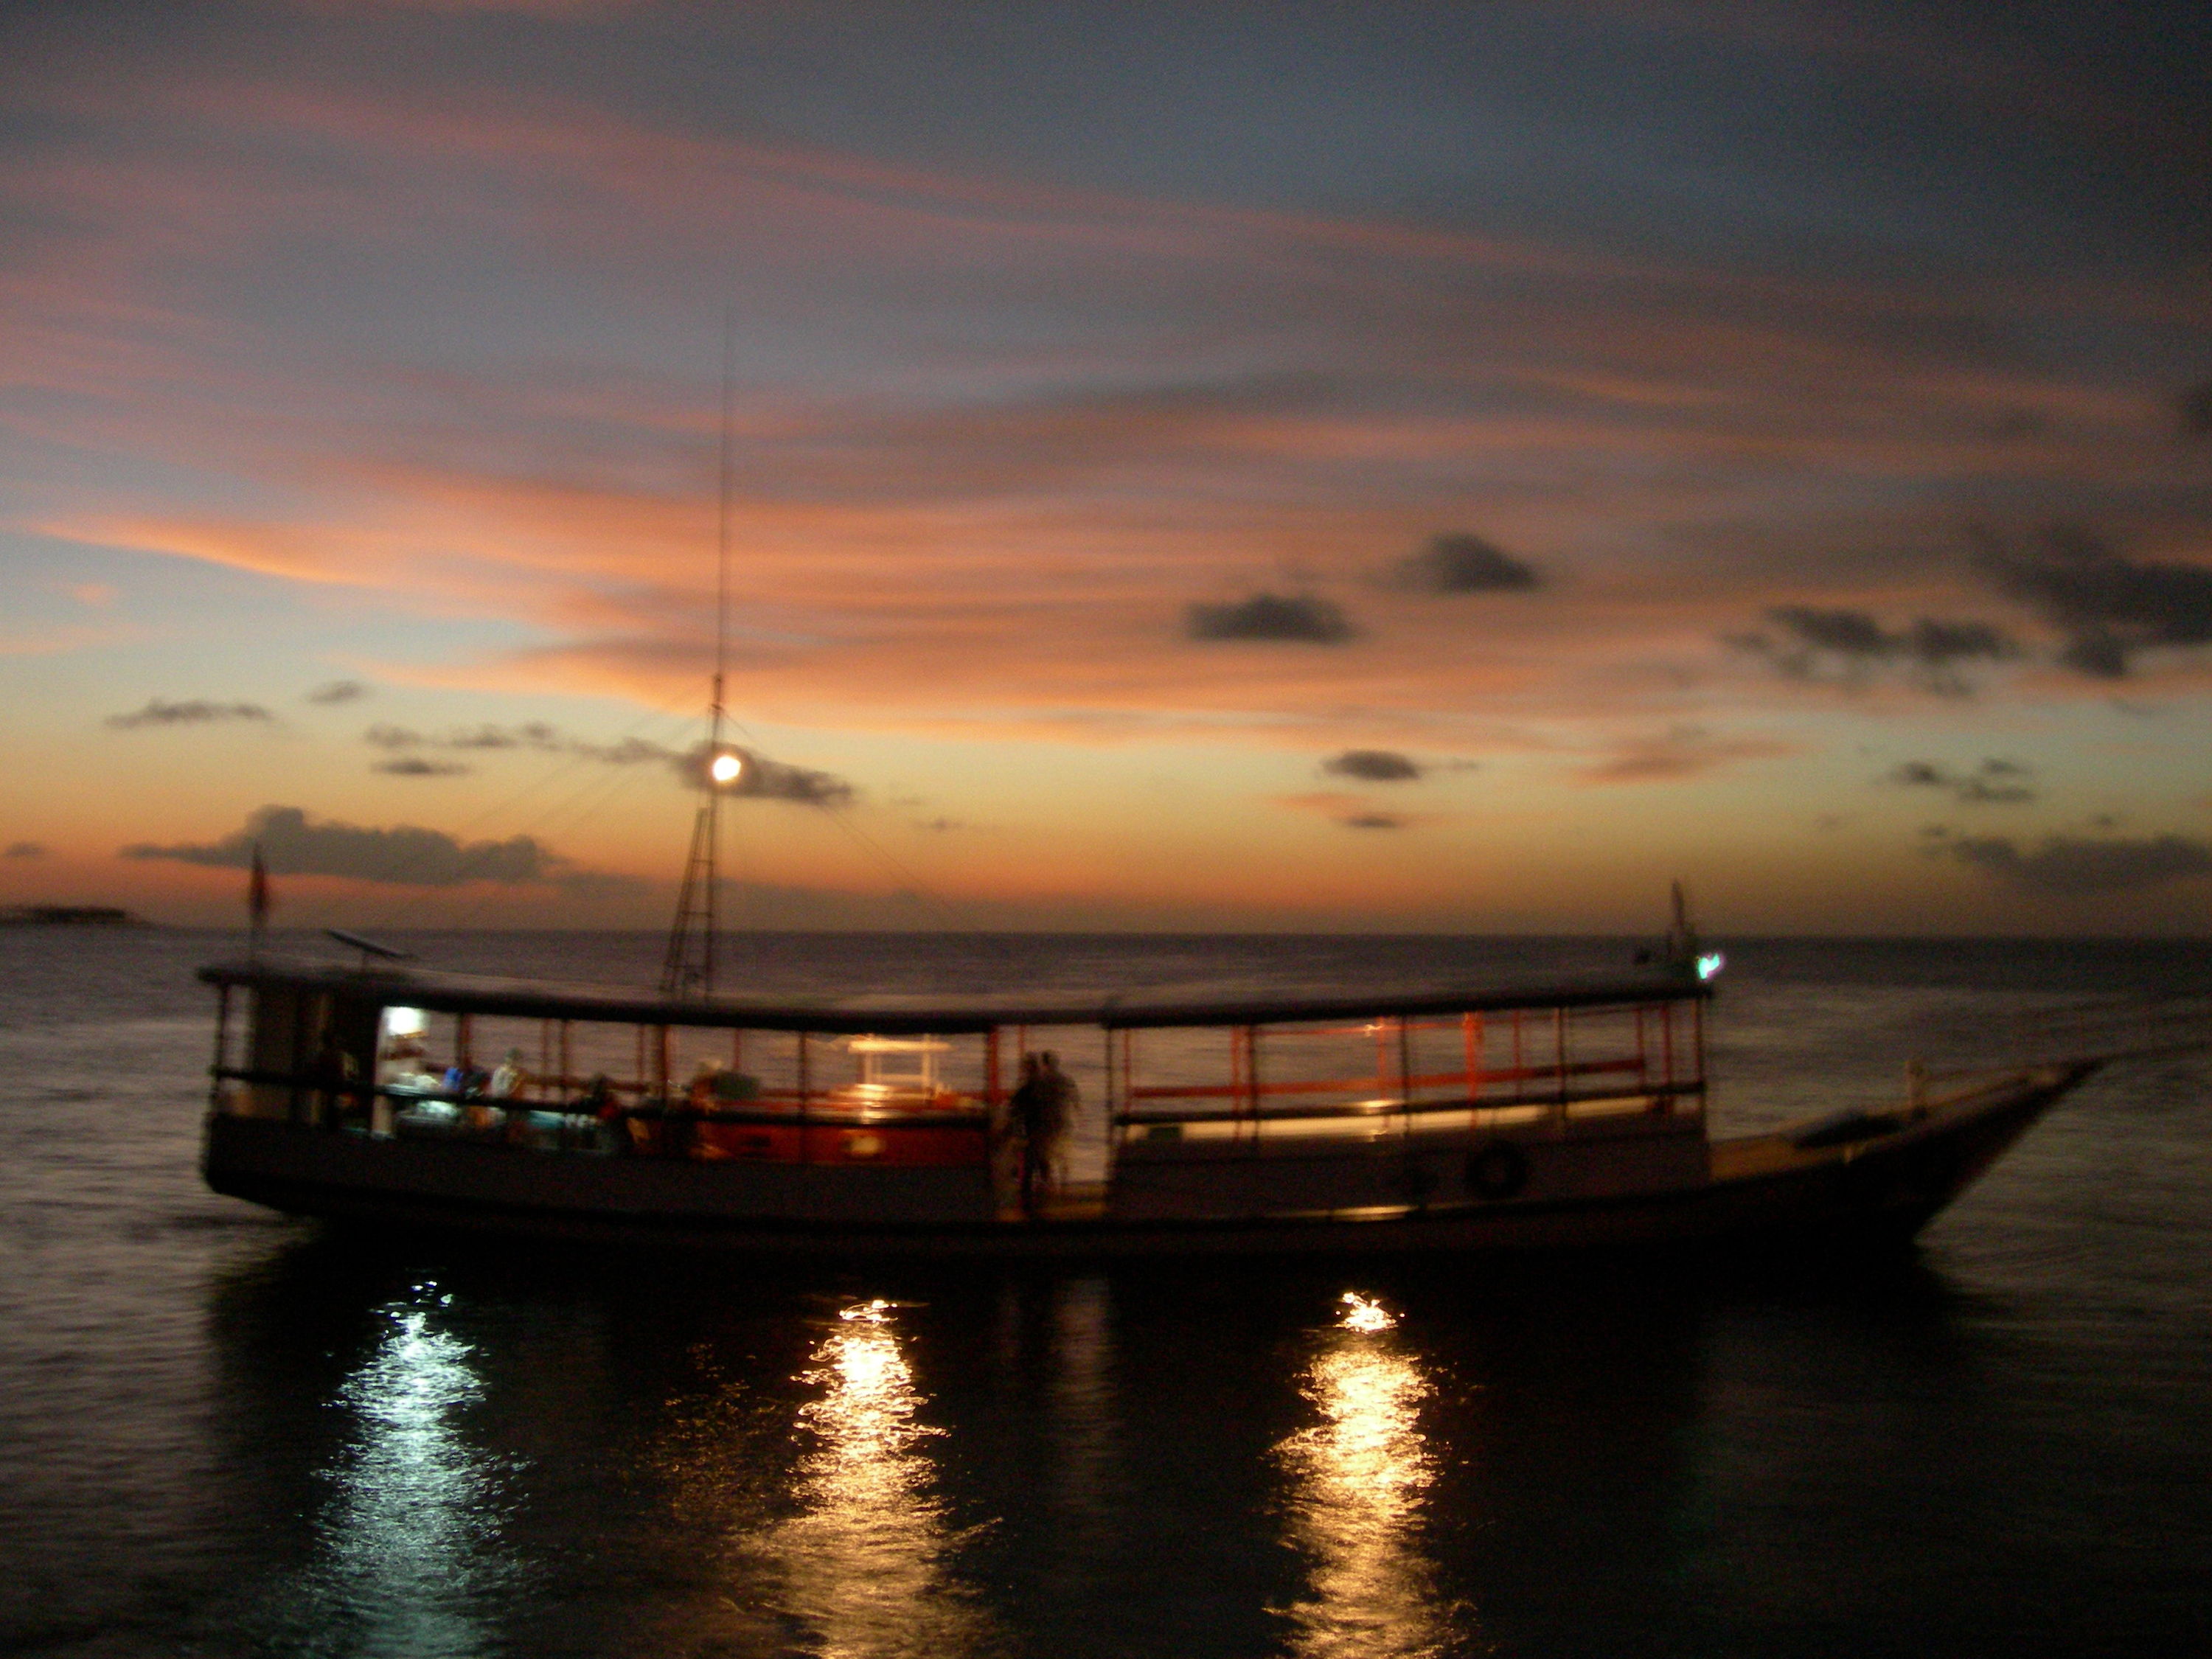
column 600, row 1102
column 508, row 1080
column 702, row 1094
column 718, row 1084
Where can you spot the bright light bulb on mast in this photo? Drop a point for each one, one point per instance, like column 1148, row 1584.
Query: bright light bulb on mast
column 725, row 768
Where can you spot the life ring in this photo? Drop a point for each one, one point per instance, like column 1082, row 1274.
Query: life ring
column 1497, row 1171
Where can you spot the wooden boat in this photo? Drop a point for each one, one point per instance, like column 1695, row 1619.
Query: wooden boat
column 1470, row 1119
column 1557, row 1116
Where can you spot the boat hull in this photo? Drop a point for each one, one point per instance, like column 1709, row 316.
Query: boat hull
column 1883, row 1187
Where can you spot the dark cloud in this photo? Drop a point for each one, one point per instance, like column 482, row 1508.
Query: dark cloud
column 160, row 712
column 293, row 845
column 2015, row 424
column 534, row 736
column 338, row 691
column 2194, row 406
column 1352, row 812
column 1844, row 632
column 2108, row 606
column 765, row 779
column 630, row 751
column 1373, row 766
column 762, row 778
column 1305, row 618
column 1936, row 645
column 2075, row 865
column 1848, row 646
column 26, row 849
column 1993, row 782
column 1462, row 564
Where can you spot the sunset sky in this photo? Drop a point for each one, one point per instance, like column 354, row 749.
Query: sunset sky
column 1373, row 466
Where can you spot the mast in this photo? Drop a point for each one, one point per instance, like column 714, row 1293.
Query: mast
column 695, row 900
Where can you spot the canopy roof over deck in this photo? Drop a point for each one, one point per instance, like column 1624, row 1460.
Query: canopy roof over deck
column 939, row 1016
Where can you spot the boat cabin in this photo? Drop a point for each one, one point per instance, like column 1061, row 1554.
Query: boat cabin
column 457, row 1090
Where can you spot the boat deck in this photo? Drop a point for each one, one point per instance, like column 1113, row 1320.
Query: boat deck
column 1079, row 1200
column 1751, row 1156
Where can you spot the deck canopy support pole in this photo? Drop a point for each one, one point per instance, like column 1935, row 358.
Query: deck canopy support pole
column 222, row 1047
column 1247, row 1038
column 1405, row 1074
column 1128, row 1068
column 1471, row 1032
column 1107, row 1108
column 295, row 1100
column 1560, row 1061
column 1697, row 1049
column 805, row 1096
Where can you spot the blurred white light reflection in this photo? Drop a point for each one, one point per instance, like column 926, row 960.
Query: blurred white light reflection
column 410, row 1536
column 865, row 1563
column 1355, row 1480
column 1362, row 1315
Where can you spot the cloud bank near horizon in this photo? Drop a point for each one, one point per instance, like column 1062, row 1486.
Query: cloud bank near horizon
column 292, row 843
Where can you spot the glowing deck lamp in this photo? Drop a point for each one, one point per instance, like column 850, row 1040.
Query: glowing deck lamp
column 725, row 768
column 1710, row 963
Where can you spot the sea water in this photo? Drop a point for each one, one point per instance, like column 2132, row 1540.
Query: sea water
column 226, row 1432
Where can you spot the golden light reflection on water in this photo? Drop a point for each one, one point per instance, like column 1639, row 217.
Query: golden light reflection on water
column 864, row 1565
column 1356, row 1485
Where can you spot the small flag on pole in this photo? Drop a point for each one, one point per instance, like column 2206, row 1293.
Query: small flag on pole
column 256, row 897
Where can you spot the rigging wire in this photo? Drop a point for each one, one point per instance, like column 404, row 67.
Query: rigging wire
column 915, row 884
column 606, row 789
column 392, row 910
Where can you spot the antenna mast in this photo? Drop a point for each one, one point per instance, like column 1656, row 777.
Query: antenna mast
column 695, row 900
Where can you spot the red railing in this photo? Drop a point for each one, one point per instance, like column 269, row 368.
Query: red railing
column 1641, row 1038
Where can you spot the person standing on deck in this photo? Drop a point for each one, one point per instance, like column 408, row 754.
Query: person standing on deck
column 1010, row 1150
column 1044, row 1109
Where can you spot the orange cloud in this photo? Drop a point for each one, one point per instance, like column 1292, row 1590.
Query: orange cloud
column 1683, row 751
